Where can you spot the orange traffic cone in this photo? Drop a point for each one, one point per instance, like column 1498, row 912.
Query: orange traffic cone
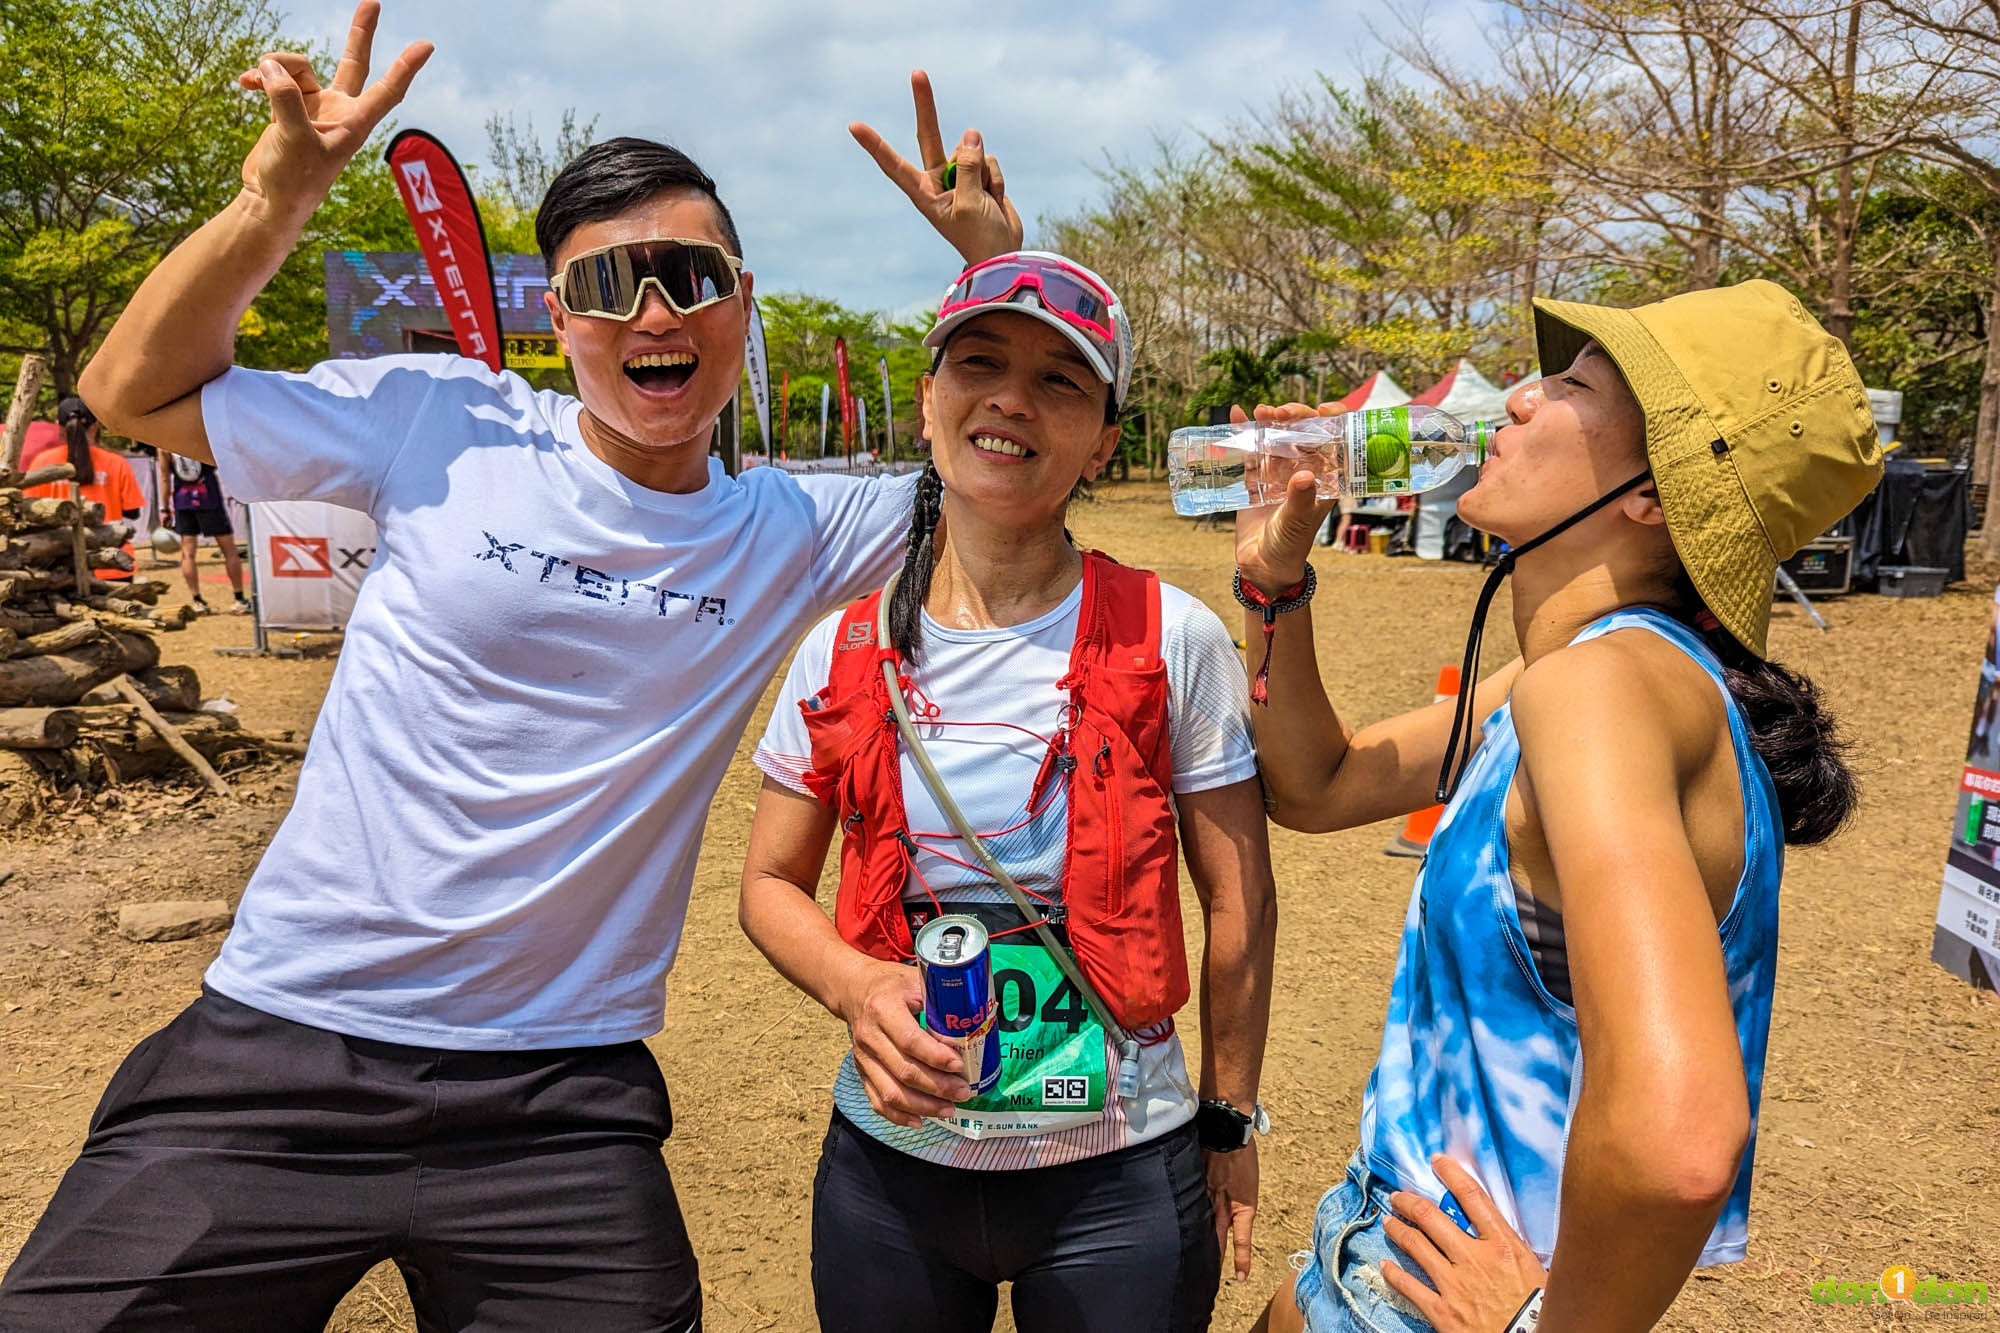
column 1415, row 838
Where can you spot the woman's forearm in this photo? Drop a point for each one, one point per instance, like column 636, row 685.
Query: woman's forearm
column 787, row 926
column 1642, row 1187
column 1229, row 858
column 1301, row 740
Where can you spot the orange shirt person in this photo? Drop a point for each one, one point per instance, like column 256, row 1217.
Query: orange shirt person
column 103, row 477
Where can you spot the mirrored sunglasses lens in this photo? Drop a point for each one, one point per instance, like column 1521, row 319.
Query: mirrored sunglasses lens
column 600, row 284
column 692, row 275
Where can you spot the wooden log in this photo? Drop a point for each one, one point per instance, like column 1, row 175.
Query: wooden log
column 41, row 476
column 8, row 638
column 79, row 556
column 125, row 747
column 27, row 388
column 46, row 513
column 171, row 689
column 46, row 546
column 71, row 636
column 147, row 591
column 24, row 623
column 63, row 678
column 132, row 624
column 173, row 738
column 37, row 728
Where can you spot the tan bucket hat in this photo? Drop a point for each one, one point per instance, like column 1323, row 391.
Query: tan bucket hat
column 1758, row 429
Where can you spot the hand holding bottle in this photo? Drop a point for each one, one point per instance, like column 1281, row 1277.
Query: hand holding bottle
column 1273, row 542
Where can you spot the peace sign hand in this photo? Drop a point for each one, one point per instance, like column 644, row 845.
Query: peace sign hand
column 314, row 130
column 975, row 215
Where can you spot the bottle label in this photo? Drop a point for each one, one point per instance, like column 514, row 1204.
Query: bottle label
column 1378, row 451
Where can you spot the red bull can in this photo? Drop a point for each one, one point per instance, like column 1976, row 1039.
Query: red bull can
column 959, row 1004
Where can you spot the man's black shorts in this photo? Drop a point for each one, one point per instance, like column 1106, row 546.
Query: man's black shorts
column 203, row 523
column 243, row 1172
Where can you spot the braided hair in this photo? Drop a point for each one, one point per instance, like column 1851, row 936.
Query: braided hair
column 906, row 608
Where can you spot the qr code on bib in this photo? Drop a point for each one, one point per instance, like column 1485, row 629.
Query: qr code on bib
column 1065, row 1091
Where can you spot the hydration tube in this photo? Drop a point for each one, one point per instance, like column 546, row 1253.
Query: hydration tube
column 1128, row 1045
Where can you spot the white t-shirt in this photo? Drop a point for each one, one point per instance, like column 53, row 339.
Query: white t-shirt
column 1003, row 681
column 547, row 670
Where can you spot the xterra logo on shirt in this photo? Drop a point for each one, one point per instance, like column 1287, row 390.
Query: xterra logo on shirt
column 600, row 586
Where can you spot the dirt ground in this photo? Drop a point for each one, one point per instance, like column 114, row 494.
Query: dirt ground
column 1881, row 1103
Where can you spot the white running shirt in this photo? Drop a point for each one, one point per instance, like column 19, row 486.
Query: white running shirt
column 545, row 676
column 1009, row 675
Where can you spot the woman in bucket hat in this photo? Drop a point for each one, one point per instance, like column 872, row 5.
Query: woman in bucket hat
column 1560, row 1123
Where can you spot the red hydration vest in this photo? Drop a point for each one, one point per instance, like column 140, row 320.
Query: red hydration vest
column 1121, row 889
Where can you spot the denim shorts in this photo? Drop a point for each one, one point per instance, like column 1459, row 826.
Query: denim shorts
column 1341, row 1289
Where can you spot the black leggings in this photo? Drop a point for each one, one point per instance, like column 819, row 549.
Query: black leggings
column 1122, row 1243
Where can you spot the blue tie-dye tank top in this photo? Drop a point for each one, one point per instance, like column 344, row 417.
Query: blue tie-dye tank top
column 1479, row 1061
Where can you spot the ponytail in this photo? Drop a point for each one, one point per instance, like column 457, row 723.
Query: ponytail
column 76, row 419
column 1791, row 731
column 76, row 434
column 906, row 608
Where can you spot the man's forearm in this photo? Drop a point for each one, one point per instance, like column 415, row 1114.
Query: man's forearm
column 178, row 332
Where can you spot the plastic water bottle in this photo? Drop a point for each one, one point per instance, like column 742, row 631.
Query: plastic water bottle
column 1376, row 451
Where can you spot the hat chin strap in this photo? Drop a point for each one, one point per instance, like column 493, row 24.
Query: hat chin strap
column 1453, row 770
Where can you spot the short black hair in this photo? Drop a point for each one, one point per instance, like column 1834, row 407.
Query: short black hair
column 612, row 177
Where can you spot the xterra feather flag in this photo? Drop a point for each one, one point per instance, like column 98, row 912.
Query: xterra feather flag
column 449, row 233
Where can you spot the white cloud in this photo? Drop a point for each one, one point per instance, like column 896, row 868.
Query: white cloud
column 760, row 92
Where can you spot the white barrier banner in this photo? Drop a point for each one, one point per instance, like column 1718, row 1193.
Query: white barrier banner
column 309, row 561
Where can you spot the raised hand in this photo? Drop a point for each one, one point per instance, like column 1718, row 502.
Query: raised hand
column 314, row 130
column 975, row 215
column 1273, row 543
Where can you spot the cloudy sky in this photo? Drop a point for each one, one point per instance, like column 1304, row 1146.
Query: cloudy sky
column 761, row 92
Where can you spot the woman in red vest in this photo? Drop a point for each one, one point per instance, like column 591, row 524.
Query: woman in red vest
column 1083, row 720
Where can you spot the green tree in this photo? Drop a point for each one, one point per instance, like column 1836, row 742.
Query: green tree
column 100, row 176
column 799, row 334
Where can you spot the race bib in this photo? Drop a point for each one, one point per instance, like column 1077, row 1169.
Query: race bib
column 1055, row 1062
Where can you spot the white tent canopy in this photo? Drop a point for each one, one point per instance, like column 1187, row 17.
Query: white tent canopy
column 1378, row 390
column 1467, row 394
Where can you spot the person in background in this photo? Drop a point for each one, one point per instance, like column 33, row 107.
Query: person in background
column 195, row 498
column 103, row 477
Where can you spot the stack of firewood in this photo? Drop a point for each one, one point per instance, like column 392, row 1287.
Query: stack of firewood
column 84, row 700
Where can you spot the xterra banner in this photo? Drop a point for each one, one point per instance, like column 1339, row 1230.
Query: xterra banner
column 453, row 241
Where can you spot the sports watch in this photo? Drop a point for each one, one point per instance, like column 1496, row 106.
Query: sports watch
column 1220, row 1127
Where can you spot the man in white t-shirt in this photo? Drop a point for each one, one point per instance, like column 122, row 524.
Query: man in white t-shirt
column 422, row 1040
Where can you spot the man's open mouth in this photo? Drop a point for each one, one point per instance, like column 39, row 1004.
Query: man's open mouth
column 661, row 372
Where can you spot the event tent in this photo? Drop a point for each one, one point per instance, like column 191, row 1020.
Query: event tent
column 1466, row 394
column 1378, row 390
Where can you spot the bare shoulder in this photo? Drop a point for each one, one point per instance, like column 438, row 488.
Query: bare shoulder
column 1631, row 689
